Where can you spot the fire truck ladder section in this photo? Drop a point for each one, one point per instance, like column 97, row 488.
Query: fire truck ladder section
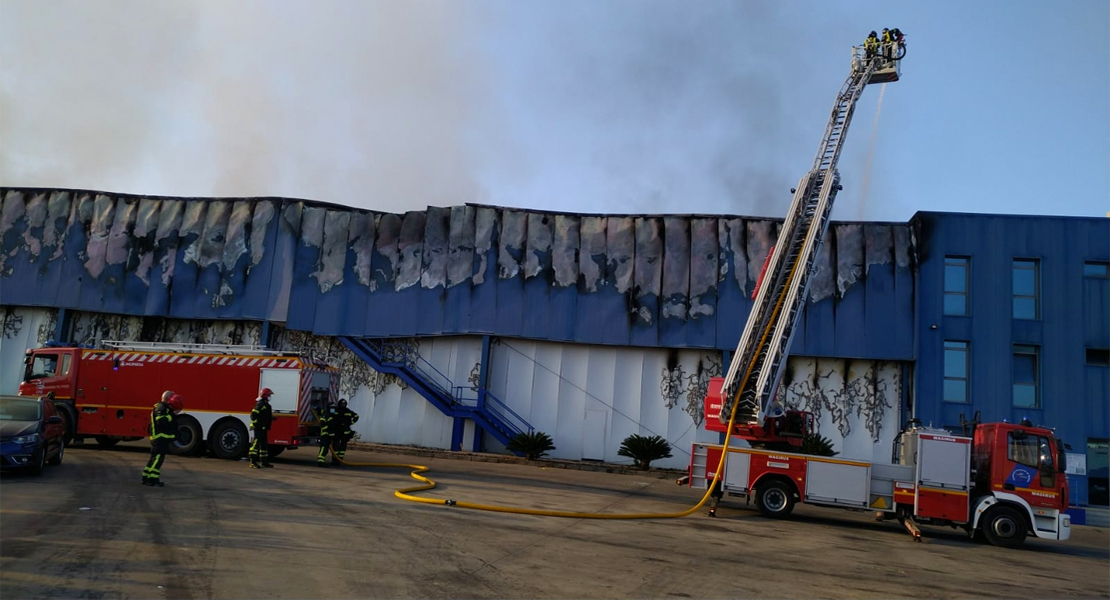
column 402, row 359
column 761, row 354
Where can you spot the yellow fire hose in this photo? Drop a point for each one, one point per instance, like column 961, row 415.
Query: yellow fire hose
column 427, row 484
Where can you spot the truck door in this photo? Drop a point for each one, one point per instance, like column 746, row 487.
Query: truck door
column 1033, row 471
column 286, row 384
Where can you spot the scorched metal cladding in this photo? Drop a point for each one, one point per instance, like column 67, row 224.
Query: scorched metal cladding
column 670, row 281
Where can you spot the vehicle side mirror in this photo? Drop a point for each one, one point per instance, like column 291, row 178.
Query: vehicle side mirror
column 55, row 420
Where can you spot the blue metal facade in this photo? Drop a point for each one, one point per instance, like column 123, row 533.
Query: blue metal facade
column 654, row 281
column 1074, row 316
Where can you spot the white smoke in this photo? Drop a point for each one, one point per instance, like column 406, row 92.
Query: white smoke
column 651, row 106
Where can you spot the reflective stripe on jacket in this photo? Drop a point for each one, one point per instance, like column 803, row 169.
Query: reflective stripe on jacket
column 163, row 426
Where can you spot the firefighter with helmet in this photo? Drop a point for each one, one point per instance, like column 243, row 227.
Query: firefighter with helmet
column 340, row 428
column 327, row 422
column 163, row 430
column 262, row 418
column 871, row 45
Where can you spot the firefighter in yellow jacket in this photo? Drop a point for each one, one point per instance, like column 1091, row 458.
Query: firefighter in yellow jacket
column 163, row 430
column 340, row 429
column 262, row 419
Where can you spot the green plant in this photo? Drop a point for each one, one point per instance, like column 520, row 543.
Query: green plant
column 533, row 444
column 642, row 450
column 817, row 445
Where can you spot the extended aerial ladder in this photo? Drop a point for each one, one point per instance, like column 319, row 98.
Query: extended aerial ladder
column 760, row 357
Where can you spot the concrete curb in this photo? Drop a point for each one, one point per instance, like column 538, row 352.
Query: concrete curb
column 509, row 459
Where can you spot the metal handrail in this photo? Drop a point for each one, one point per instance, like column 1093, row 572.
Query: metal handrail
column 194, row 348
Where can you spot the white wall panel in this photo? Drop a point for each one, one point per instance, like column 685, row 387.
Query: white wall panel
column 24, row 328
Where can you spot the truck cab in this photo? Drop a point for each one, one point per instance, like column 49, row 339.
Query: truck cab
column 1019, row 484
column 53, row 372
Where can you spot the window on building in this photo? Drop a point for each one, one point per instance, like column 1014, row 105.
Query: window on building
column 1098, row 357
column 1027, row 376
column 957, row 271
column 1099, row 270
column 1026, row 284
column 1097, row 486
column 955, row 371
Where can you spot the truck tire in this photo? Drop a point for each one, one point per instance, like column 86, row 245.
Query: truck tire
column 189, row 437
column 774, row 499
column 106, row 441
column 1004, row 526
column 69, row 422
column 229, row 440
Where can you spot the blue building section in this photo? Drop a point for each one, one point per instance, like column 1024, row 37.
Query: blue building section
column 653, row 281
column 1013, row 324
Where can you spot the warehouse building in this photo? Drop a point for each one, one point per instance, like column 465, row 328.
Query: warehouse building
column 586, row 327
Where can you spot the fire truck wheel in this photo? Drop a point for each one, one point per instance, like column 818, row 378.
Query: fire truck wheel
column 1004, row 526
column 774, row 499
column 189, row 437
column 69, row 422
column 106, row 441
column 229, row 440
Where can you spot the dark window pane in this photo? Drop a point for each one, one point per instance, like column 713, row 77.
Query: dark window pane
column 955, row 390
column 955, row 304
column 955, row 363
column 1025, row 308
column 1025, row 368
column 1023, row 450
column 955, row 278
column 1025, row 282
column 1096, row 269
column 1025, row 396
column 1099, row 357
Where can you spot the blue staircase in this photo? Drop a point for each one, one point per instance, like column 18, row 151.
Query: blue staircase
column 398, row 358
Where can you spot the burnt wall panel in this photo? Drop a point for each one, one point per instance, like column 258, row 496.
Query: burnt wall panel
column 671, row 281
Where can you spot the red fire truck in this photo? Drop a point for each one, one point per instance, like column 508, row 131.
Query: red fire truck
column 107, row 393
column 1005, row 480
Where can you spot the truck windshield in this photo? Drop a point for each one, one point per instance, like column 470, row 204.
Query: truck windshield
column 42, row 365
column 19, row 409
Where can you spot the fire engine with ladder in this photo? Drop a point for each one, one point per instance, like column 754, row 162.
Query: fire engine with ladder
column 1003, row 480
column 107, row 393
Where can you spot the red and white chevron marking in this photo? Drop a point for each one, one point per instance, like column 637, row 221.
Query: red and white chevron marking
column 305, row 411
column 197, row 359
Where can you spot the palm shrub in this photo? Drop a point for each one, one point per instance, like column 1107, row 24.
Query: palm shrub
column 642, row 450
column 816, row 444
column 532, row 444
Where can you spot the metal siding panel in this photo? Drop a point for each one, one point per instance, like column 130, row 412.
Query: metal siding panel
column 262, row 248
column 460, row 268
column 676, row 282
column 647, row 278
column 701, row 328
column 332, row 273
column 510, row 280
column 304, row 288
column 435, row 252
column 572, row 402
column 483, row 294
column 593, row 314
column 537, row 319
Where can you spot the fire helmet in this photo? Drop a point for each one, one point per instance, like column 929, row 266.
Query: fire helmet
column 342, row 403
column 265, row 393
column 176, row 402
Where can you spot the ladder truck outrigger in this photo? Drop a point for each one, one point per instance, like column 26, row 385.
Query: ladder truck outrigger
column 1004, row 480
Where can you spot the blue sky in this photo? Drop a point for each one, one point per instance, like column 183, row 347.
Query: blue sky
column 616, row 106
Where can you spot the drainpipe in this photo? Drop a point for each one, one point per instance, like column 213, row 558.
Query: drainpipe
column 62, row 326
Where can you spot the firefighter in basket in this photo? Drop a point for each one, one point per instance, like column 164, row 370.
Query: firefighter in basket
column 327, row 421
column 163, row 430
column 340, row 428
column 262, row 419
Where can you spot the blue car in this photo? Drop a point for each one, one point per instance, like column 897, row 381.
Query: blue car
column 31, row 434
